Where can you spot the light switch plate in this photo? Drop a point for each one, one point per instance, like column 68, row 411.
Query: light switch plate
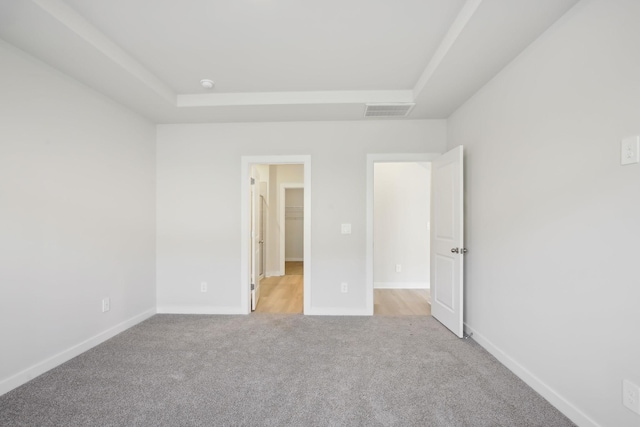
column 630, row 150
column 345, row 228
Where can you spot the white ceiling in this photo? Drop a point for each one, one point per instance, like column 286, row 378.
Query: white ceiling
column 278, row 60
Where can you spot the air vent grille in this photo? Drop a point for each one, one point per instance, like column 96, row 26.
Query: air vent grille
column 388, row 110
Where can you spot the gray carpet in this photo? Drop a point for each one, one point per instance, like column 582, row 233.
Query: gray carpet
column 280, row 370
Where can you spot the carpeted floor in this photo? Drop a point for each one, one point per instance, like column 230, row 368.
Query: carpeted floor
column 280, row 370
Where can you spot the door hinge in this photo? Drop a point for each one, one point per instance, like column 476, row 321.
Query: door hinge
column 253, row 181
column 253, row 286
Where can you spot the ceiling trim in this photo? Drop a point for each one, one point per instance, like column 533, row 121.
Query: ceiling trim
column 76, row 23
column 294, row 98
column 470, row 52
column 466, row 13
column 71, row 19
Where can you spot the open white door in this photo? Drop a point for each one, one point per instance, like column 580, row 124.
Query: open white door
column 262, row 230
column 447, row 250
column 256, row 252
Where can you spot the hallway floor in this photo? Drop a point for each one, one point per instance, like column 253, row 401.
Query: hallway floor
column 284, row 294
column 401, row 302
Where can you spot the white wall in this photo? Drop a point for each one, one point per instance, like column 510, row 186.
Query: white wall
column 294, row 224
column 400, row 225
column 273, row 232
column 262, row 172
column 198, row 219
column 77, row 220
column 552, row 218
column 290, row 174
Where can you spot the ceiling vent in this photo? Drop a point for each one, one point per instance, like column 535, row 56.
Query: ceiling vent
column 388, row 110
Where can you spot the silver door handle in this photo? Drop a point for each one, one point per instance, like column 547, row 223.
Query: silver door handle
column 454, row 250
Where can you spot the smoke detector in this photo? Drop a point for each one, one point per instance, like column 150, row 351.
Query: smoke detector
column 399, row 109
column 207, row 84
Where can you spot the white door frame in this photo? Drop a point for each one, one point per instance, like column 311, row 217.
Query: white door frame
column 245, row 227
column 283, row 191
column 371, row 160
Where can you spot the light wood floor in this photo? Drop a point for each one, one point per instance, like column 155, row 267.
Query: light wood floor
column 282, row 294
column 294, row 268
column 401, row 302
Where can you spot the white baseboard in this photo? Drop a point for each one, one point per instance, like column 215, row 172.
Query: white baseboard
column 401, row 285
column 336, row 311
column 273, row 273
column 294, row 259
column 190, row 309
column 557, row 400
column 40, row 368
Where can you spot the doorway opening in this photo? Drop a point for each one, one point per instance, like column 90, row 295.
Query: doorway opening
column 401, row 238
column 398, row 235
column 276, row 234
column 446, row 234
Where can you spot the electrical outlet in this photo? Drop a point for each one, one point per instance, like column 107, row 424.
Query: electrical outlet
column 106, row 304
column 631, row 396
column 630, row 150
column 344, row 287
column 203, row 287
column 398, row 268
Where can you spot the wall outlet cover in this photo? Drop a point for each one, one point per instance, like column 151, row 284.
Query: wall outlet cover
column 630, row 150
column 631, row 396
column 106, row 304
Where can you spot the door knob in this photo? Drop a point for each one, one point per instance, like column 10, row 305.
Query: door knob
column 454, row 250
column 463, row 251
